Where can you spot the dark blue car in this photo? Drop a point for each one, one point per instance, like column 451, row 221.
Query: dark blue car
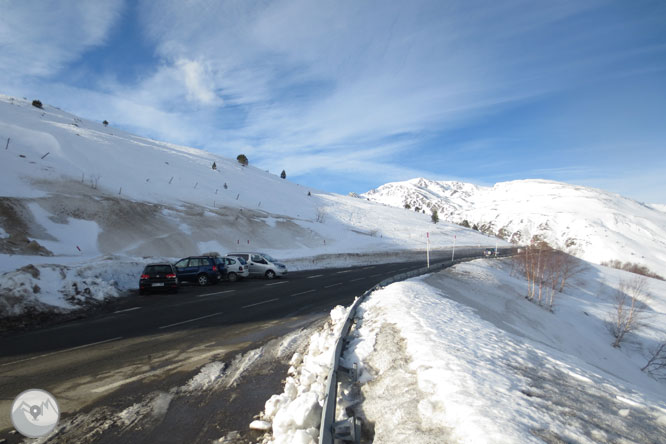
column 202, row 270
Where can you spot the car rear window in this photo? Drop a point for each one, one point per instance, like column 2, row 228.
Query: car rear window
column 158, row 269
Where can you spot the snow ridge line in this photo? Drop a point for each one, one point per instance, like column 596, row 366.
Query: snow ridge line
column 328, row 429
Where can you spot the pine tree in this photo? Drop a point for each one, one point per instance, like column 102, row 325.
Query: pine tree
column 242, row 159
column 435, row 216
column 408, row 206
column 214, row 165
column 283, row 174
column 105, row 123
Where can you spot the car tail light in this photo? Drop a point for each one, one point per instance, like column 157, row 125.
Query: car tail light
column 214, row 268
column 145, row 276
column 170, row 276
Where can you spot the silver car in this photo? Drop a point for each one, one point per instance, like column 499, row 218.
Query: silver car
column 236, row 268
column 262, row 265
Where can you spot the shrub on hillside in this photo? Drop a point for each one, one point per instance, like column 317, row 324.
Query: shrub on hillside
column 632, row 268
column 242, row 159
column 37, row 104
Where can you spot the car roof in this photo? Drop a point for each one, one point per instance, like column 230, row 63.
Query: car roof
column 158, row 263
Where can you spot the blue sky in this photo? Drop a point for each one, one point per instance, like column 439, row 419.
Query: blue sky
column 348, row 95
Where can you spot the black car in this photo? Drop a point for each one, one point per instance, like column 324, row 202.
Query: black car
column 158, row 277
column 202, row 270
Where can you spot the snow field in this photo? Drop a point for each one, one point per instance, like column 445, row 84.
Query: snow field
column 472, row 361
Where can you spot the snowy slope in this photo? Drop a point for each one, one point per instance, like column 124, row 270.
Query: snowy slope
column 472, row 361
column 593, row 224
column 74, row 191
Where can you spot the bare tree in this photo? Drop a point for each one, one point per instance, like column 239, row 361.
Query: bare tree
column 630, row 299
column 657, row 361
column 546, row 270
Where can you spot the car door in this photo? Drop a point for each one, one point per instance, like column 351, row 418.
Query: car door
column 187, row 268
column 257, row 265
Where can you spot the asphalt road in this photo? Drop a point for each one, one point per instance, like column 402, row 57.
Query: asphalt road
column 148, row 341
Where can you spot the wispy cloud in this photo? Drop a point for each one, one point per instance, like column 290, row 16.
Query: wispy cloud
column 347, row 87
column 38, row 37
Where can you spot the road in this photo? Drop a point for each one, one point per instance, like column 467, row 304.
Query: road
column 162, row 339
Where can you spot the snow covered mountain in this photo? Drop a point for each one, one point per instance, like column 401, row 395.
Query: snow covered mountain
column 83, row 201
column 75, row 188
column 593, row 224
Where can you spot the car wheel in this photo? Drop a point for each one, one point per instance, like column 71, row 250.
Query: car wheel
column 142, row 292
column 270, row 274
column 203, row 280
column 233, row 277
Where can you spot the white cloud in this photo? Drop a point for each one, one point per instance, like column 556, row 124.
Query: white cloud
column 38, row 37
column 197, row 80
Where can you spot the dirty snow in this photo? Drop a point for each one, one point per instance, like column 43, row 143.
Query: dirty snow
column 294, row 415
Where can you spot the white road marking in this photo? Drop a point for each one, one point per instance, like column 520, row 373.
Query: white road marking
column 303, row 292
column 276, row 283
column 61, row 351
column 126, row 310
column 212, row 294
column 153, row 372
column 191, row 320
column 343, row 271
column 334, row 285
column 315, row 276
column 375, row 275
column 367, row 268
column 259, row 303
column 357, row 279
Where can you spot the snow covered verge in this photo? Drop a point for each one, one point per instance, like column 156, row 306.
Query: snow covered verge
column 294, row 416
column 61, row 288
column 473, row 361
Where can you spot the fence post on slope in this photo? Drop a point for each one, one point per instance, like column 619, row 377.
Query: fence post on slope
column 453, row 252
column 7, row 146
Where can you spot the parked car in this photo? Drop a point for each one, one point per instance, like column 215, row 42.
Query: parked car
column 262, row 265
column 236, row 268
column 158, row 277
column 202, row 270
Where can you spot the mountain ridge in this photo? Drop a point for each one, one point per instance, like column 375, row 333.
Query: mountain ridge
column 591, row 223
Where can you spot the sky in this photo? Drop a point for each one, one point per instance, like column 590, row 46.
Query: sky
column 347, row 95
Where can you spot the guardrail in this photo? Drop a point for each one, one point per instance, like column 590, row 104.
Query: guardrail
column 349, row 430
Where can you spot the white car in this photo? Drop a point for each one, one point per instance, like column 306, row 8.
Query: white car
column 262, row 265
column 236, row 268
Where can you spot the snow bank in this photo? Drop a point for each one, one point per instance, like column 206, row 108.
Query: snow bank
column 294, row 416
column 472, row 361
column 60, row 288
